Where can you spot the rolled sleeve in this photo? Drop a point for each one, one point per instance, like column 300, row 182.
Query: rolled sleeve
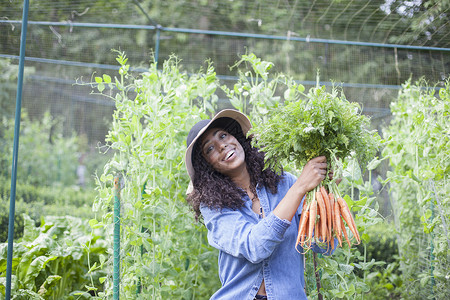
column 278, row 225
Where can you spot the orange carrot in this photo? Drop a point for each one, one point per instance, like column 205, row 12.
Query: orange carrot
column 348, row 218
column 317, row 227
column 333, row 212
column 304, row 232
column 323, row 214
column 337, row 222
column 345, row 232
column 303, row 220
column 332, row 222
column 312, row 218
column 328, row 209
column 332, row 243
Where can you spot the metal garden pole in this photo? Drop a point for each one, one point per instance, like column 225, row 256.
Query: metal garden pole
column 116, row 251
column 12, row 203
column 158, row 29
column 158, row 33
column 433, row 282
column 139, row 284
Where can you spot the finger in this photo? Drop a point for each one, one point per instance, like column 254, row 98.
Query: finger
column 322, row 177
column 322, row 172
column 322, row 165
column 320, row 168
column 319, row 159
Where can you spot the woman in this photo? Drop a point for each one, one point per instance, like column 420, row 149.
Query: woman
column 251, row 213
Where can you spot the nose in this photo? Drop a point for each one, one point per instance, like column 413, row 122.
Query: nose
column 223, row 146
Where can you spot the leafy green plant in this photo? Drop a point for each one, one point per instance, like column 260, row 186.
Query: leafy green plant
column 253, row 93
column 385, row 279
column 56, row 260
column 39, row 201
column 418, row 149
column 164, row 253
column 320, row 124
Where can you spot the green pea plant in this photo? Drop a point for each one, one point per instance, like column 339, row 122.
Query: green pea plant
column 255, row 93
column 163, row 251
column 346, row 274
column 418, row 150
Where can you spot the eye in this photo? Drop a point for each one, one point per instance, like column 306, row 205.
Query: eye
column 208, row 149
column 223, row 135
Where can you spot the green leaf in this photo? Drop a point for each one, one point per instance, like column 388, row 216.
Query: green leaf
column 106, row 78
column 424, row 281
column 30, row 232
column 34, row 269
column 351, row 290
column 236, row 103
column 102, row 259
column 101, row 87
column 93, row 222
column 374, row 164
column 361, row 202
column 287, row 94
column 347, row 269
column 93, row 268
column 46, row 288
column 98, row 79
column 349, row 201
column 80, row 293
column 26, row 294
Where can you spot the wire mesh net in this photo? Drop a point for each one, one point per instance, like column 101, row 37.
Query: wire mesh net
column 60, row 55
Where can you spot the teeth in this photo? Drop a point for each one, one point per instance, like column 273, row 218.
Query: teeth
column 229, row 155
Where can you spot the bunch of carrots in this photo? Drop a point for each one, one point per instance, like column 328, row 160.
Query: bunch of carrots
column 324, row 216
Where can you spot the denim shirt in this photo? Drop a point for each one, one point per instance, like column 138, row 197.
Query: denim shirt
column 253, row 248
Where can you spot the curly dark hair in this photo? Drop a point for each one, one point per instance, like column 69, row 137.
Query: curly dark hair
column 218, row 191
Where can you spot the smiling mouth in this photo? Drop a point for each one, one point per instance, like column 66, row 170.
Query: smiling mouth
column 229, row 155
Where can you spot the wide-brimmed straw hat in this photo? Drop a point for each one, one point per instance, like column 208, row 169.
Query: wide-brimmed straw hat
column 223, row 119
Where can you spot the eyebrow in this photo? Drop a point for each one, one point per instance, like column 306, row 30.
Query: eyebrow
column 205, row 142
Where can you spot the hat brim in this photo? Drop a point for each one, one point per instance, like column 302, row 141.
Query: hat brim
column 239, row 117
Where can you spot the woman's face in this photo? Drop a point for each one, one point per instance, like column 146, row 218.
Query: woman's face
column 223, row 152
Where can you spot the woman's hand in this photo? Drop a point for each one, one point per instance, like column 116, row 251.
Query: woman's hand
column 312, row 174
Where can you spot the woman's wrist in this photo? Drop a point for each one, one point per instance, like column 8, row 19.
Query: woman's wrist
column 300, row 189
